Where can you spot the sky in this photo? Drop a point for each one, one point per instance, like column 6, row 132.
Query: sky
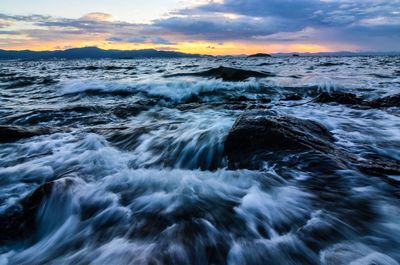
column 214, row 27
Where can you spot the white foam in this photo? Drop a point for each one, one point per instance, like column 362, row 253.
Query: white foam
column 177, row 90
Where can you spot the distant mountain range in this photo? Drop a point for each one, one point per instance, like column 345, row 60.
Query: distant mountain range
column 92, row 53
column 97, row 53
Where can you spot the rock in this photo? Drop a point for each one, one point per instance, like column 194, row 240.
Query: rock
column 386, row 102
column 259, row 55
column 339, row 97
column 10, row 134
column 244, row 99
column 226, row 74
column 127, row 110
column 238, row 99
column 292, row 97
column 264, row 64
column 124, row 138
column 263, row 130
column 264, row 100
column 380, row 166
column 258, row 134
column 354, row 100
column 19, row 220
column 328, row 64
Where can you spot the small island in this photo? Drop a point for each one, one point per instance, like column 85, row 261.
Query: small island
column 259, row 55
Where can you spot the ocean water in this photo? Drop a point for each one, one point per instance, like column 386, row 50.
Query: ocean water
column 141, row 176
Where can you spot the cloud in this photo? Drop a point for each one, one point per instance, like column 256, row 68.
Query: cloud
column 314, row 21
column 219, row 28
column 27, row 18
column 9, row 32
column 97, row 16
column 4, row 23
column 141, row 39
column 367, row 25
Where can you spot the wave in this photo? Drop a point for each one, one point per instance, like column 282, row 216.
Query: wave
column 177, row 91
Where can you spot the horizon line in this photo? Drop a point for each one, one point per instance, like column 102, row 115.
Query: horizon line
column 204, row 54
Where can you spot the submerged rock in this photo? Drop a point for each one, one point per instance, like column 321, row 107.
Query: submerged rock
column 125, row 138
column 261, row 130
column 10, row 134
column 19, row 220
column 356, row 101
column 328, row 64
column 339, row 97
column 386, row 102
column 292, row 97
column 226, row 74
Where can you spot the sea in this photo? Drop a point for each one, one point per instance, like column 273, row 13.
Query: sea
column 133, row 169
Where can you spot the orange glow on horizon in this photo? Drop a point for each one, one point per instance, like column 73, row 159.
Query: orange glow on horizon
column 237, row 48
column 198, row 47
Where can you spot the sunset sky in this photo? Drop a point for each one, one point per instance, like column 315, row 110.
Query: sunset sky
column 201, row 26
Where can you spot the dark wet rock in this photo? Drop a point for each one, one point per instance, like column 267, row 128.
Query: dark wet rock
column 386, row 102
column 226, row 74
column 295, row 76
column 18, row 221
column 10, row 134
column 264, row 64
column 260, row 134
column 292, row 97
column 259, row 55
column 189, row 66
column 240, row 98
column 124, row 138
column 381, row 76
column 356, row 101
column 328, row 64
column 264, row 100
column 380, row 166
column 339, row 97
column 244, row 99
column 91, row 68
column 262, row 130
column 133, row 109
column 296, row 55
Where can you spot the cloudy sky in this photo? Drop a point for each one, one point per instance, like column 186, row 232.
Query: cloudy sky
column 202, row 26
